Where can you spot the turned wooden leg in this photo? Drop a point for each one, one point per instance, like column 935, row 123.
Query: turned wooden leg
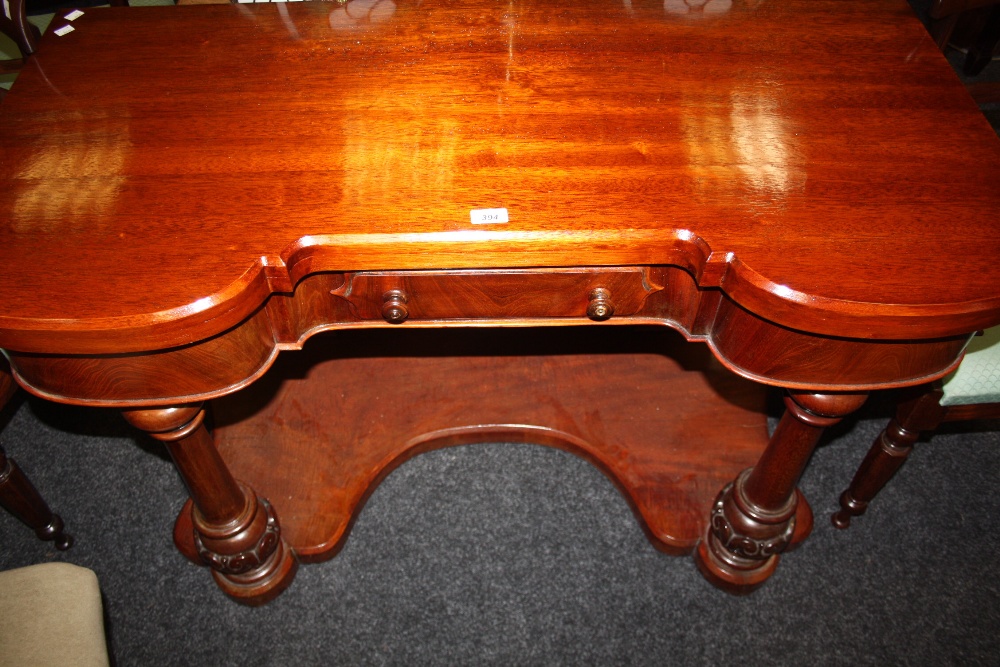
column 19, row 497
column 888, row 453
column 17, row 494
column 236, row 532
column 754, row 519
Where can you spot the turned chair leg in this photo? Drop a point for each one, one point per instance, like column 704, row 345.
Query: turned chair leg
column 981, row 51
column 17, row 494
column 888, row 452
column 19, row 497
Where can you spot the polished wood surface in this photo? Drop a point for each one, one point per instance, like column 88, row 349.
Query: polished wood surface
column 662, row 296
column 755, row 518
column 808, row 178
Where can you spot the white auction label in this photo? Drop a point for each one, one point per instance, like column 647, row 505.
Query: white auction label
column 65, row 30
column 74, row 15
column 488, row 216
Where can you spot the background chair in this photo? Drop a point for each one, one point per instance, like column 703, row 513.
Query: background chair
column 15, row 25
column 971, row 392
column 972, row 26
column 51, row 615
column 24, row 35
column 17, row 494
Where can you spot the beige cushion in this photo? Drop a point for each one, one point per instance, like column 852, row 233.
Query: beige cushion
column 50, row 614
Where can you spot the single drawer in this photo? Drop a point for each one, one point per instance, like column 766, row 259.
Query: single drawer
column 502, row 294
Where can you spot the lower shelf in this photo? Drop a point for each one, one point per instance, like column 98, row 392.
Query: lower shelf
column 665, row 421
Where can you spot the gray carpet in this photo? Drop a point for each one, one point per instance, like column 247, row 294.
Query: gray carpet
column 514, row 554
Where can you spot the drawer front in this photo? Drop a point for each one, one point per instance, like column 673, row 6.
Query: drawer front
column 400, row 296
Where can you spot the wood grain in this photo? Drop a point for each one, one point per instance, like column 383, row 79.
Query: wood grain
column 654, row 296
column 319, row 432
column 821, row 182
column 786, row 181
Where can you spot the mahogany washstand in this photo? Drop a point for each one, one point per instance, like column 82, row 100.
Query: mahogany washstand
column 188, row 191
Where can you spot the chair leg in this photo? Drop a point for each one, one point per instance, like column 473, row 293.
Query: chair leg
column 888, row 452
column 17, row 494
column 981, row 51
column 941, row 30
column 19, row 497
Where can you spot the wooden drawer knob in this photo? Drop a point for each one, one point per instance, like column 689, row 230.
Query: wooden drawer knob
column 394, row 306
column 600, row 307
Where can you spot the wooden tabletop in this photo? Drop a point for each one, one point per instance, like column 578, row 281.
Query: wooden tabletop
column 817, row 160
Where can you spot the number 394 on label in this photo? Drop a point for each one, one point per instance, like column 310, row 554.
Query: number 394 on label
column 488, row 216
